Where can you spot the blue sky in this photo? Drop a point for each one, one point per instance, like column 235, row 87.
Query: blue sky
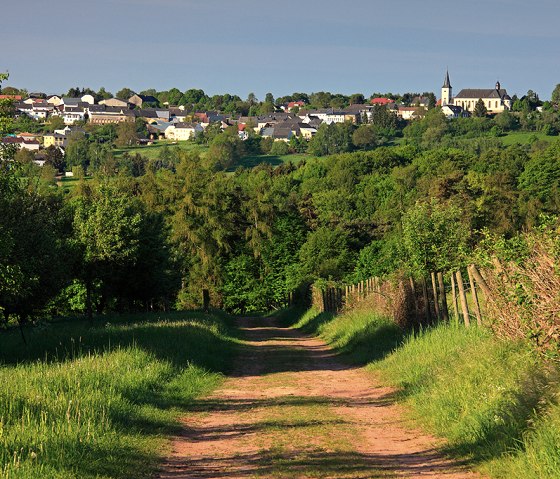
column 282, row 46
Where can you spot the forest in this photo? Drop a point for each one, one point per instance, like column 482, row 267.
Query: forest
column 138, row 233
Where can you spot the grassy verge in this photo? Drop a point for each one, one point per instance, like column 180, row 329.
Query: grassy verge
column 494, row 402
column 83, row 401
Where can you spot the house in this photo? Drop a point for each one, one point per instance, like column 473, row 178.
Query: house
column 454, row 111
column 182, row 131
column 292, row 104
column 495, row 100
column 102, row 114
column 11, row 97
column 72, row 114
column 409, row 112
column 32, row 145
column 54, row 100
column 114, row 102
column 53, row 139
column 381, row 101
column 178, row 114
column 139, row 100
column 327, row 115
column 28, row 136
column 88, row 99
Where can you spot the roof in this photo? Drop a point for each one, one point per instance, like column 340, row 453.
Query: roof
column 446, row 82
column 10, row 97
column 381, row 101
column 482, row 93
column 182, row 124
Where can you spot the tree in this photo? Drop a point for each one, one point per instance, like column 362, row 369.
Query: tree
column 107, row 230
column 480, row 109
column 6, row 111
column 103, row 94
column 126, row 134
column 555, row 97
column 434, row 237
column 77, row 151
column 54, row 122
column 506, row 121
column 325, row 254
column 365, row 137
column 55, row 158
column 124, row 94
column 357, row 99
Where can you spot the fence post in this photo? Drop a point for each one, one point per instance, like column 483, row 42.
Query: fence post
column 454, row 293
column 205, row 300
column 443, row 297
column 463, row 298
column 415, row 299
column 474, row 297
column 481, row 282
column 426, row 301
column 435, row 296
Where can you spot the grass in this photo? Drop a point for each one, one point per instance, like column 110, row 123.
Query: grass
column 523, row 137
column 97, row 401
column 494, row 401
column 69, row 183
column 353, row 333
column 153, row 151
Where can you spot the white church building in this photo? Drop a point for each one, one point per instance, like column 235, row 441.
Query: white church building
column 495, row 100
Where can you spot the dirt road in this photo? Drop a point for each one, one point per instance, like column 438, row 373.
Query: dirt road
column 292, row 409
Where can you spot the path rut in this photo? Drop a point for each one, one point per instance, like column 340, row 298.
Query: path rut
column 292, row 409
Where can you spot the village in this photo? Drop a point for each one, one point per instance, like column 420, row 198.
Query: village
column 181, row 123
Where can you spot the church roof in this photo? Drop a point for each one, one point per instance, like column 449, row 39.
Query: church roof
column 482, row 93
column 446, row 82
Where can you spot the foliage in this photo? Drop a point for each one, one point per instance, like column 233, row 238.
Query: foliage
column 434, row 237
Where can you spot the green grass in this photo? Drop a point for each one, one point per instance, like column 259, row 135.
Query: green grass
column 493, row 400
column 523, row 137
column 69, row 183
column 353, row 333
column 98, row 401
column 153, row 151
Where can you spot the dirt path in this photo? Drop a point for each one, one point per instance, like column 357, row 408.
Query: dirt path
column 292, row 409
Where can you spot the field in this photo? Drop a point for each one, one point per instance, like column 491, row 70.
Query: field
column 153, row 151
column 524, row 138
column 85, row 400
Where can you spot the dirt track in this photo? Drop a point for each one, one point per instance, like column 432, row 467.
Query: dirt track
column 292, row 409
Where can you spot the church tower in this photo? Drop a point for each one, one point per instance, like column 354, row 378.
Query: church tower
column 446, row 95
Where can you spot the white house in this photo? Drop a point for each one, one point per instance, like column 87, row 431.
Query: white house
column 182, row 131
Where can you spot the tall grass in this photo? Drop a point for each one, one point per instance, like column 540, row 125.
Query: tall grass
column 89, row 401
column 493, row 400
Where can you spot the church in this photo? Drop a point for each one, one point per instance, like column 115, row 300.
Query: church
column 495, row 100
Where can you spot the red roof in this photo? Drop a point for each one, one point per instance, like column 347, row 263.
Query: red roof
column 241, row 126
column 10, row 97
column 296, row 103
column 381, row 101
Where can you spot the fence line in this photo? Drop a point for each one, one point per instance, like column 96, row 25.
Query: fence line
column 413, row 301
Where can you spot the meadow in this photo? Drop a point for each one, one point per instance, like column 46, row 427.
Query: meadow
column 99, row 400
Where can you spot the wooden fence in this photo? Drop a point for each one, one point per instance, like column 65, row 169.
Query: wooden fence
column 413, row 301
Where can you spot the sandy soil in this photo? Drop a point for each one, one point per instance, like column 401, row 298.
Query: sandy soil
column 292, row 409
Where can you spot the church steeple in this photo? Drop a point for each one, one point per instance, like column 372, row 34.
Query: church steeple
column 446, row 96
column 446, row 82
